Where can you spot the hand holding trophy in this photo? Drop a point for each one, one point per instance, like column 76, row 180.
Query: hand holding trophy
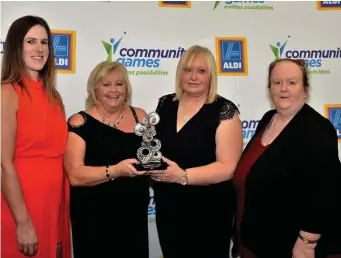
column 149, row 153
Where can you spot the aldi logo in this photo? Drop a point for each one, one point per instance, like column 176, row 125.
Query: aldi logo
column 328, row 5
column 175, row 4
column 64, row 47
column 231, row 54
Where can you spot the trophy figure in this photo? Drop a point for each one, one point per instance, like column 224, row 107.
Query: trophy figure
column 149, row 153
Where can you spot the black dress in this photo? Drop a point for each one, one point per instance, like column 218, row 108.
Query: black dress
column 110, row 219
column 193, row 221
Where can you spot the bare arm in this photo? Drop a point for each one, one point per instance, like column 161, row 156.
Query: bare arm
column 229, row 147
column 78, row 173
column 10, row 184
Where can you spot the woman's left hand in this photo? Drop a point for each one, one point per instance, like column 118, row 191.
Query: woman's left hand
column 173, row 173
column 302, row 250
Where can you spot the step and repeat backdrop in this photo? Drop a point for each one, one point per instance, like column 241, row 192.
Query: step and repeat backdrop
column 150, row 37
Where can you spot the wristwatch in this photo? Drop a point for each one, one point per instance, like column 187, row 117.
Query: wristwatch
column 306, row 240
column 184, row 179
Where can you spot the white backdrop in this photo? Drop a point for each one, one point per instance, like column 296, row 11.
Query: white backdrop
column 246, row 29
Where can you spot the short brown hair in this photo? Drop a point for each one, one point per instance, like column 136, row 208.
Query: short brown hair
column 300, row 63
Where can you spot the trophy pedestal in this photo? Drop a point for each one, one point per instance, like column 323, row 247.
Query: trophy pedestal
column 151, row 166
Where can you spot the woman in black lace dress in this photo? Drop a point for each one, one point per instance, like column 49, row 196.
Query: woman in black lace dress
column 109, row 198
column 201, row 137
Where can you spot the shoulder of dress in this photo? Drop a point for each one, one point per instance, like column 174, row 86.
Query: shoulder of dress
column 77, row 120
column 227, row 109
column 163, row 99
column 167, row 96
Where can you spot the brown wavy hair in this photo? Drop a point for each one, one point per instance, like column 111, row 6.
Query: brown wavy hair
column 13, row 65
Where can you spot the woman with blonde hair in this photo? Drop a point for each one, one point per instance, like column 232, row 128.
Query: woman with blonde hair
column 109, row 197
column 202, row 141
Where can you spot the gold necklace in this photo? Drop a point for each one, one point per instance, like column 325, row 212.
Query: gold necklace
column 111, row 124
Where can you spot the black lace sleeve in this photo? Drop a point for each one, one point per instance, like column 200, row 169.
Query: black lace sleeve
column 227, row 110
column 160, row 103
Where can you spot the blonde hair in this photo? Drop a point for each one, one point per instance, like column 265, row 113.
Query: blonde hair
column 98, row 74
column 186, row 59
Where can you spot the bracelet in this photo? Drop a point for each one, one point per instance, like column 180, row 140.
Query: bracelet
column 184, row 179
column 306, row 240
column 107, row 173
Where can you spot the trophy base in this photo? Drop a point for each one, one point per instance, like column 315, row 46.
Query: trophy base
column 151, row 166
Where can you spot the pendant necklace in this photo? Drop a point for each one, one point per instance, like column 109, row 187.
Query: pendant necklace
column 111, row 124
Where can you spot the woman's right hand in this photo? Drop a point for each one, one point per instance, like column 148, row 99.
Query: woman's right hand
column 27, row 238
column 302, row 250
column 126, row 169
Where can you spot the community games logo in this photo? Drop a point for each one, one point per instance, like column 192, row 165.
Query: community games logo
column 244, row 5
column 151, row 207
column 249, row 128
column 140, row 61
column 314, row 58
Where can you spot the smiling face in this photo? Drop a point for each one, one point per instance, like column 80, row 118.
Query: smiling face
column 112, row 91
column 287, row 87
column 35, row 50
column 195, row 77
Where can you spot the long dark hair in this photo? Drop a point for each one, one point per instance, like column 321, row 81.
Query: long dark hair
column 13, row 65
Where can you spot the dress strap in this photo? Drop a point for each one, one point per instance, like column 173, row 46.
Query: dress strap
column 134, row 113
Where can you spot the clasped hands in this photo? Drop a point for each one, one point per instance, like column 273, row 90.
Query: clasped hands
column 173, row 173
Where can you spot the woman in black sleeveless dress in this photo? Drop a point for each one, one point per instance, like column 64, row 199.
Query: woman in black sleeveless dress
column 202, row 141
column 109, row 198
